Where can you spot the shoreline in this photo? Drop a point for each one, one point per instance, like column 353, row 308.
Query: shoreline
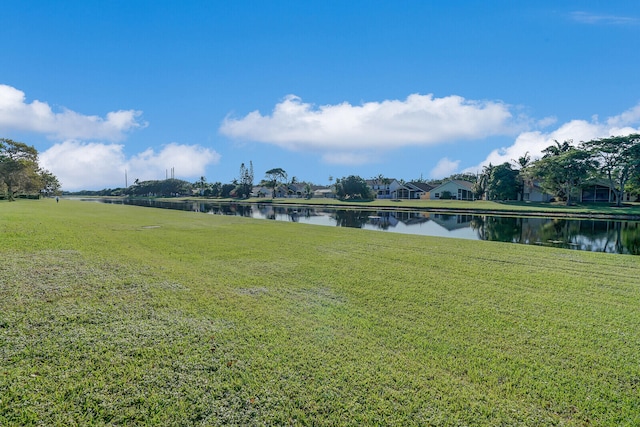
column 579, row 211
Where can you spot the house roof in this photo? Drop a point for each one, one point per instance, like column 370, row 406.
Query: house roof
column 596, row 182
column 320, row 187
column 376, row 181
column 423, row 186
column 459, row 182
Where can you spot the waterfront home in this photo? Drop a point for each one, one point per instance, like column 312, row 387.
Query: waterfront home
column 454, row 189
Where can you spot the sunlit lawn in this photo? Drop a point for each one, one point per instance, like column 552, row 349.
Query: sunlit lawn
column 119, row 315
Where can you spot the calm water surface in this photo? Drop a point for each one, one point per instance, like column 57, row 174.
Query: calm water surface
column 621, row 237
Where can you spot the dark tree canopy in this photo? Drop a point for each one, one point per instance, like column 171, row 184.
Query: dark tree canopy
column 226, row 190
column 353, row 187
column 503, row 183
column 20, row 172
column 481, row 185
column 245, row 181
column 166, row 187
column 563, row 170
column 273, row 178
column 617, row 159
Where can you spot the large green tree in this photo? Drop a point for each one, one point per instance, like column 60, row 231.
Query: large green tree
column 245, row 181
column 20, row 172
column 562, row 170
column 633, row 186
column 503, row 183
column 353, row 187
column 50, row 186
column 617, row 159
column 166, row 187
column 274, row 177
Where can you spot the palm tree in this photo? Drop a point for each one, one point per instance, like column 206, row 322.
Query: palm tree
column 203, row 181
column 523, row 161
column 556, row 150
column 307, row 190
column 481, row 186
column 523, row 178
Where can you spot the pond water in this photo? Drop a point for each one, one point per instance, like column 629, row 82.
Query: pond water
column 620, row 237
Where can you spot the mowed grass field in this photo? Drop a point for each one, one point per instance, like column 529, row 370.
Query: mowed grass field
column 119, row 315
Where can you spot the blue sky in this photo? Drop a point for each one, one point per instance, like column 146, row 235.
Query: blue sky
column 406, row 89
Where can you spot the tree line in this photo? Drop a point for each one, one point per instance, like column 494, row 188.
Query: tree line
column 562, row 171
column 566, row 168
column 20, row 173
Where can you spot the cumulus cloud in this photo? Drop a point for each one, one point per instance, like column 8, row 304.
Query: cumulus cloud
column 627, row 118
column 445, row 167
column 189, row 161
column 343, row 131
column 36, row 116
column 90, row 166
column 575, row 130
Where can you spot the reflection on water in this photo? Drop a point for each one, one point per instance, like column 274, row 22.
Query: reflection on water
column 621, row 237
column 586, row 235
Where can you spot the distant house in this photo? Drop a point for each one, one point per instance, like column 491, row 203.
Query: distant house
column 324, row 192
column 416, row 190
column 455, row 189
column 596, row 193
column 385, row 189
column 600, row 192
column 299, row 190
column 393, row 189
column 534, row 193
column 281, row 191
column 296, row 190
column 261, row 191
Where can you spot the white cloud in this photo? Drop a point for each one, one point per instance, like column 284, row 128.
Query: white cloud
column 96, row 165
column 592, row 18
column 546, row 122
column 350, row 158
column 629, row 117
column 576, row 130
column 188, row 161
column 37, row 116
column 344, row 130
column 85, row 166
column 445, row 167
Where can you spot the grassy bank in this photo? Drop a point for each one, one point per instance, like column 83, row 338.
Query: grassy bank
column 114, row 314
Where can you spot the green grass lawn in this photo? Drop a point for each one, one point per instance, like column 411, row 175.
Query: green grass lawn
column 120, row 315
